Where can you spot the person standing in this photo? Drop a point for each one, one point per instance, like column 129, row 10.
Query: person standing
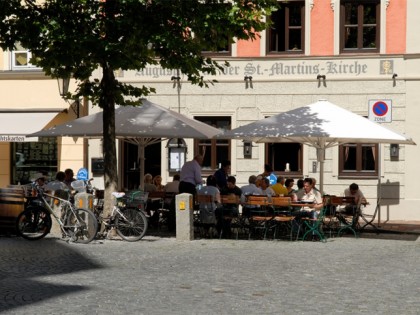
column 222, row 174
column 190, row 176
column 69, row 178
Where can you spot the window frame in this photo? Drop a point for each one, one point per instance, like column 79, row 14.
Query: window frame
column 360, row 26
column 286, row 6
column 213, row 144
column 269, row 159
column 359, row 160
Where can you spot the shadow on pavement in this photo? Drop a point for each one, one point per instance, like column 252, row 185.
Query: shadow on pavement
column 23, row 263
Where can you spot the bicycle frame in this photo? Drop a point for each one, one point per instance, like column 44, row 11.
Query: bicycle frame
column 45, row 204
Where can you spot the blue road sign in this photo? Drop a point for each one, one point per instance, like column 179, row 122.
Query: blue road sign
column 380, row 108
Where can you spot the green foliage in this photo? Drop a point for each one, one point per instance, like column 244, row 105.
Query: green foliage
column 76, row 37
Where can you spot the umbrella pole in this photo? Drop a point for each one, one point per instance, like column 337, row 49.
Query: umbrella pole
column 141, row 157
column 320, row 152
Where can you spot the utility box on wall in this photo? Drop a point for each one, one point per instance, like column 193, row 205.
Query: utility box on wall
column 97, row 165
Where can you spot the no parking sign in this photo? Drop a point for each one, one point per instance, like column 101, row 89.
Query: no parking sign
column 380, row 110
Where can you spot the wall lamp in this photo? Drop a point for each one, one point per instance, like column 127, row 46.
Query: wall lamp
column 63, row 89
column 248, row 81
column 394, row 79
column 247, row 149
column 322, row 77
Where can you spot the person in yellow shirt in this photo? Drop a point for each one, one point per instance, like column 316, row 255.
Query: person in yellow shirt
column 279, row 188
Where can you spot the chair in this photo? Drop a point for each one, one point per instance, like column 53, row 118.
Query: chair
column 261, row 217
column 348, row 222
column 314, row 226
column 206, row 219
column 331, row 222
column 282, row 216
column 369, row 218
column 230, row 220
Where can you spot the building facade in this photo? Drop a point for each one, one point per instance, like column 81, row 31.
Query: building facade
column 358, row 54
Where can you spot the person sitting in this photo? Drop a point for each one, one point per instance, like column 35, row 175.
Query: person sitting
column 228, row 210
column 359, row 199
column 313, row 201
column 279, row 188
column 300, row 191
column 157, row 181
column 266, row 190
column 148, row 183
column 207, row 210
column 173, row 187
column 250, row 189
column 290, row 191
column 269, row 173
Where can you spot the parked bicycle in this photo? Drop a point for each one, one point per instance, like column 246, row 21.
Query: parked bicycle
column 34, row 223
column 129, row 221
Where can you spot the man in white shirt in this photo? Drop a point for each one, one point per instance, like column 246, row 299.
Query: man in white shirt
column 314, row 199
column 359, row 198
column 190, row 176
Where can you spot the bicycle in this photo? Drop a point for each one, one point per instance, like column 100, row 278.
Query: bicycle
column 34, row 222
column 129, row 221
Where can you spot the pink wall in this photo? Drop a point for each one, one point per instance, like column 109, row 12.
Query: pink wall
column 322, row 29
column 396, row 21
column 248, row 48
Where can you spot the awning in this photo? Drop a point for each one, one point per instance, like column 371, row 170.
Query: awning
column 16, row 124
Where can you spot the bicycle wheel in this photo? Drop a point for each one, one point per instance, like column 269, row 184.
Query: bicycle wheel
column 33, row 223
column 81, row 225
column 131, row 225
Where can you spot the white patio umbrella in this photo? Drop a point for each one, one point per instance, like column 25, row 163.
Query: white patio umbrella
column 320, row 125
column 142, row 125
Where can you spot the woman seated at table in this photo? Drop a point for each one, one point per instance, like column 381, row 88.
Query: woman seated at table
column 208, row 210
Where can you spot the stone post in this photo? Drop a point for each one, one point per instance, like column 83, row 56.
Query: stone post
column 184, row 217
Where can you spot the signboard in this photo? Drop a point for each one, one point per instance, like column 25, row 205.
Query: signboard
column 380, row 110
column 17, row 138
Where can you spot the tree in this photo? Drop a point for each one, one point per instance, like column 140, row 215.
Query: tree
column 76, row 37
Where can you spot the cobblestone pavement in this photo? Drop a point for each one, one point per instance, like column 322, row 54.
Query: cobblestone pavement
column 164, row 276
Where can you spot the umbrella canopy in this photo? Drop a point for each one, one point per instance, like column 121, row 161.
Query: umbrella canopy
column 148, row 120
column 142, row 125
column 321, row 125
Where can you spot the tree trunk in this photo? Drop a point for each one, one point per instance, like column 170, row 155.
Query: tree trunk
column 107, row 103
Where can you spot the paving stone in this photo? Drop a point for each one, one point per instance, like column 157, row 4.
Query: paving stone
column 163, row 276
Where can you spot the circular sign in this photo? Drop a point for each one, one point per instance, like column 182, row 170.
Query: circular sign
column 380, row 108
column 82, row 174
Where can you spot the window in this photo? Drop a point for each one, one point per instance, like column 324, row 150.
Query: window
column 223, row 50
column 360, row 26
column 21, row 59
column 279, row 154
column 358, row 160
column 30, row 158
column 287, row 32
column 213, row 150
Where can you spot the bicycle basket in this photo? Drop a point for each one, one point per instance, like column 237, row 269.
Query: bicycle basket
column 78, row 185
column 136, row 198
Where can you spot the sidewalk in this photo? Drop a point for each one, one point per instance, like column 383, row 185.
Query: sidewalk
column 411, row 227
